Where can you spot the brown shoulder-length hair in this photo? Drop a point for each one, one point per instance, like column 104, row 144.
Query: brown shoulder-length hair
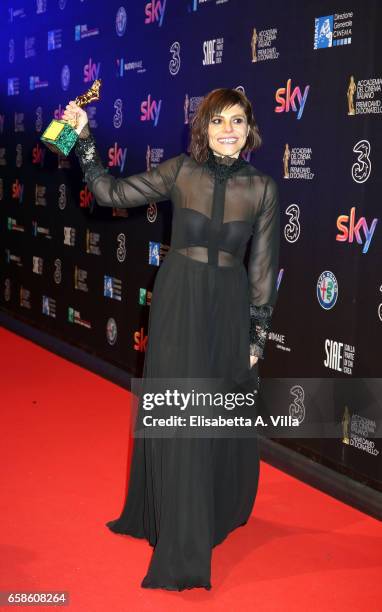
column 211, row 105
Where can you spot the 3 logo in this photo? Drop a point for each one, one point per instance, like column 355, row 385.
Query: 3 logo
column 361, row 169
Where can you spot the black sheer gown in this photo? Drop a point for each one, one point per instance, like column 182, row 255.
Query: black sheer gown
column 185, row 495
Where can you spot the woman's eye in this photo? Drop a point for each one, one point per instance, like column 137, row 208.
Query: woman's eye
column 216, row 121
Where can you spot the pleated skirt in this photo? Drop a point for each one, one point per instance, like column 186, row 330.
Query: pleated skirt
column 186, row 494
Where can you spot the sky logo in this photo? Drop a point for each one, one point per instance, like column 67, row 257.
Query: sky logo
column 86, row 198
column 38, row 155
column 17, row 190
column 154, row 11
column 291, row 100
column 91, row 71
column 150, row 110
column 117, row 157
column 350, row 229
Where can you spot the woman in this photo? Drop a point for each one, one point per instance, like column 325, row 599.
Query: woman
column 208, row 318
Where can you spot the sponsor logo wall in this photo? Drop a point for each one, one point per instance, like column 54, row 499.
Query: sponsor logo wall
column 85, row 274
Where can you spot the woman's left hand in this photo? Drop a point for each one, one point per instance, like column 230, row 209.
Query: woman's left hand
column 253, row 359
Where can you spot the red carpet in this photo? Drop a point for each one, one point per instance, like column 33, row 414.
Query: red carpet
column 64, row 459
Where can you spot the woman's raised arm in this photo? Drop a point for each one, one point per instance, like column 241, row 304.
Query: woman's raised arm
column 135, row 190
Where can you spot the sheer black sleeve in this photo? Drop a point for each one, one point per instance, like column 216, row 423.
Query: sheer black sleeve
column 128, row 192
column 263, row 268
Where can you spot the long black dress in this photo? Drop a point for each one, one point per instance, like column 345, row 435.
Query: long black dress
column 186, row 494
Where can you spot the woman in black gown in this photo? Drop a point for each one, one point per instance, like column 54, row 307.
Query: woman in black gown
column 209, row 318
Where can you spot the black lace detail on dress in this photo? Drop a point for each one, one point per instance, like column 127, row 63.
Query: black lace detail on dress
column 260, row 319
column 89, row 159
column 224, row 167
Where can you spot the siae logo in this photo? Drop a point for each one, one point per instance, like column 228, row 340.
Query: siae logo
column 209, row 52
column 150, row 110
column 334, row 355
column 154, row 11
column 117, row 157
column 288, row 99
column 347, row 233
column 91, row 71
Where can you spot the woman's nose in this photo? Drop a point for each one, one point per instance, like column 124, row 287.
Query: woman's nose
column 228, row 126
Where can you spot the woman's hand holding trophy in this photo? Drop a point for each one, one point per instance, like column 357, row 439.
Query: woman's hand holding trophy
column 62, row 134
column 76, row 116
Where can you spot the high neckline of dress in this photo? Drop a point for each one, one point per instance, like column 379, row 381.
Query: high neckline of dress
column 224, row 167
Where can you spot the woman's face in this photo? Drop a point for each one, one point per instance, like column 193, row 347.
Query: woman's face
column 228, row 131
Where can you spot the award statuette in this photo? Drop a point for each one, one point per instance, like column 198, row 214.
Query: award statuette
column 60, row 136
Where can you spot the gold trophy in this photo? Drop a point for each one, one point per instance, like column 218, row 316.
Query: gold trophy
column 60, row 136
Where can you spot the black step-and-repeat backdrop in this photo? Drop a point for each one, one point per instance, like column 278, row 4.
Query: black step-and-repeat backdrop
column 313, row 71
